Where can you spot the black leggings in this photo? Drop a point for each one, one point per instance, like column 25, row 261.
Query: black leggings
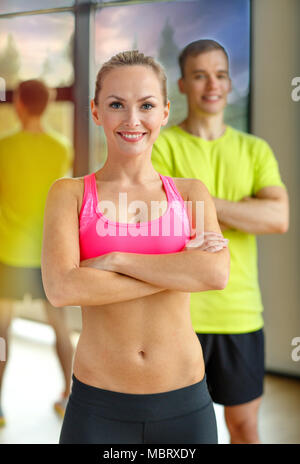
column 101, row 416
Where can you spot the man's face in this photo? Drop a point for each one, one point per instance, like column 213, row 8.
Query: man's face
column 206, row 82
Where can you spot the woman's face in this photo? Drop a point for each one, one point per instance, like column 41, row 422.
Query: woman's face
column 130, row 109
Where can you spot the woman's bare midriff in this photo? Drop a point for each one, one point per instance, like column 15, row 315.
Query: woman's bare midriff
column 140, row 346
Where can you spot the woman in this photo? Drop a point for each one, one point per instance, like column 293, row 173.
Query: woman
column 138, row 373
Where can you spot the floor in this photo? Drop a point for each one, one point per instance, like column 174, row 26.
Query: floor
column 33, row 381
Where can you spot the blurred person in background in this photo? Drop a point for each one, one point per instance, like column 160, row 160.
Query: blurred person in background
column 242, row 175
column 31, row 159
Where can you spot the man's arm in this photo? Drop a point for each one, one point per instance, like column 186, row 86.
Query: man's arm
column 266, row 213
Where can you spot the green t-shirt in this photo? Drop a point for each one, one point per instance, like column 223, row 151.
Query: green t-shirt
column 232, row 167
column 29, row 164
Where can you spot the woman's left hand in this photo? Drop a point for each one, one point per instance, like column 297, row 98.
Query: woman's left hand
column 209, row 241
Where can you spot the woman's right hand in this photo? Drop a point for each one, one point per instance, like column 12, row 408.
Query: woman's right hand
column 209, row 241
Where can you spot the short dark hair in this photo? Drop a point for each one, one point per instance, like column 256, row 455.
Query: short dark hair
column 197, row 48
column 34, row 95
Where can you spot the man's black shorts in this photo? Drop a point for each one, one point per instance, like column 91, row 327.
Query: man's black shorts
column 234, row 365
column 15, row 282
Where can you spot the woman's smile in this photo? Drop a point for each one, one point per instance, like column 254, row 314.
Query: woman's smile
column 131, row 136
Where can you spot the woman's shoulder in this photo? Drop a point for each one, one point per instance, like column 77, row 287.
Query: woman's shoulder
column 190, row 188
column 73, row 186
column 68, row 184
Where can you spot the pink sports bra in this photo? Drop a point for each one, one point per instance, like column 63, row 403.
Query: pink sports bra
column 99, row 235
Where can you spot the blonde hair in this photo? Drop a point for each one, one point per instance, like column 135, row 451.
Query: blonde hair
column 131, row 58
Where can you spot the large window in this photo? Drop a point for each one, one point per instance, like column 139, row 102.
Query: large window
column 38, row 46
column 58, row 46
column 162, row 29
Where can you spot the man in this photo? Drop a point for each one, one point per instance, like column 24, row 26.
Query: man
column 241, row 173
column 31, row 159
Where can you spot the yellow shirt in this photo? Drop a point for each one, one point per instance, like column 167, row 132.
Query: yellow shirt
column 29, row 164
column 232, row 167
